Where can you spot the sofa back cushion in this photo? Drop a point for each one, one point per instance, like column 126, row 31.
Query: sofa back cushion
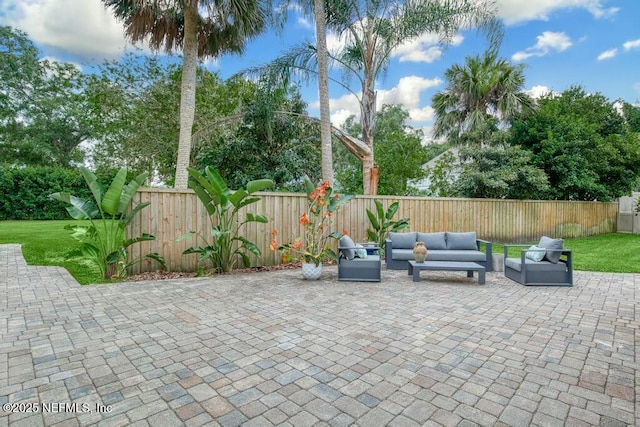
column 348, row 247
column 402, row 240
column 462, row 241
column 549, row 243
column 433, row 241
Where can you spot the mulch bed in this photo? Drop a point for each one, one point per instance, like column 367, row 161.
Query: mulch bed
column 164, row 275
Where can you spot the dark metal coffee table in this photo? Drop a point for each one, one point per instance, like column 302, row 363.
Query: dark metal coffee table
column 469, row 267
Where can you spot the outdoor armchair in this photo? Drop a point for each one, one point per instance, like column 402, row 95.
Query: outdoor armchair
column 540, row 265
column 358, row 263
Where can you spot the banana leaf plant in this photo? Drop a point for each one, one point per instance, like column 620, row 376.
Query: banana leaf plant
column 382, row 223
column 227, row 245
column 103, row 241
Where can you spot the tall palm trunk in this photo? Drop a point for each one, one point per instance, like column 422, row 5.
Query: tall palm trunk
column 323, row 92
column 367, row 117
column 188, row 92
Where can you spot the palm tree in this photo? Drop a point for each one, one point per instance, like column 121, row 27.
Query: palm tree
column 483, row 90
column 371, row 31
column 323, row 91
column 201, row 28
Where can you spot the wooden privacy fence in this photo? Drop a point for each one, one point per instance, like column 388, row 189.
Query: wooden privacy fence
column 175, row 212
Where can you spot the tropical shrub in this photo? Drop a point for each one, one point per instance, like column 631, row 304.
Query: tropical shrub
column 223, row 205
column 382, row 223
column 103, row 242
column 313, row 247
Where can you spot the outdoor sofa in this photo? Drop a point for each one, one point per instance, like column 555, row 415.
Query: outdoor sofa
column 441, row 246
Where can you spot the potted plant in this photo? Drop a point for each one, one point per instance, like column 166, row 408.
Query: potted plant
column 313, row 248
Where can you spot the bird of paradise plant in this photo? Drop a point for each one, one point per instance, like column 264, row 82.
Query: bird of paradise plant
column 314, row 246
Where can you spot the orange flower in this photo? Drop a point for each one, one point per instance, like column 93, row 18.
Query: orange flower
column 297, row 245
column 274, row 233
column 304, row 219
column 273, row 245
column 344, row 232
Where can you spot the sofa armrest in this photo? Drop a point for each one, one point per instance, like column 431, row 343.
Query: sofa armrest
column 387, row 251
column 489, row 252
column 506, row 249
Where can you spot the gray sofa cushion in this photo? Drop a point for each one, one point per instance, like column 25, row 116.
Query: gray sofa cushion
column 549, row 243
column 442, row 255
column 348, row 247
column 457, row 256
column 462, row 241
column 402, row 240
column 402, row 254
column 433, row 241
column 516, row 264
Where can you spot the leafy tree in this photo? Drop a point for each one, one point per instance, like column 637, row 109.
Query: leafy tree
column 281, row 146
column 583, row 144
column 483, row 89
column 632, row 115
column 399, row 151
column 372, row 30
column 135, row 102
column 43, row 114
column 499, row 172
column 200, row 28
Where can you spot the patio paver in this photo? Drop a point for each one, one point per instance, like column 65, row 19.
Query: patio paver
column 272, row 349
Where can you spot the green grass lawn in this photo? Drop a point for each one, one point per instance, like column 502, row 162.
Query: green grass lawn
column 47, row 243
column 613, row 253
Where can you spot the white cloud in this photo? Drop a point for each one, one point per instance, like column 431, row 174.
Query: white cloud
column 406, row 93
column 424, row 114
column 425, row 48
column 546, row 42
column 515, row 11
column 538, row 91
column 54, row 59
column 632, row 44
column 608, row 54
column 81, row 27
column 305, row 23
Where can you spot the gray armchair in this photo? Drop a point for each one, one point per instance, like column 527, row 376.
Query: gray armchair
column 359, row 269
column 539, row 273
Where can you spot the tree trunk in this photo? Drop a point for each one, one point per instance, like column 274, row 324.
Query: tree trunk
column 187, row 92
column 367, row 117
column 323, row 92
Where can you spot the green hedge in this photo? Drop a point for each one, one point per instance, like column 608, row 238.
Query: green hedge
column 24, row 192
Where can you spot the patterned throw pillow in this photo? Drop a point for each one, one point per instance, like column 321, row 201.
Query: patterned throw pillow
column 535, row 255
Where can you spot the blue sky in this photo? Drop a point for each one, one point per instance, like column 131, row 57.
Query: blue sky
column 593, row 43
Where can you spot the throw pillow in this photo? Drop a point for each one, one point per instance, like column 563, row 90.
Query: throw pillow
column 549, row 243
column 462, row 241
column 361, row 252
column 402, row 240
column 535, row 255
column 348, row 247
column 433, row 241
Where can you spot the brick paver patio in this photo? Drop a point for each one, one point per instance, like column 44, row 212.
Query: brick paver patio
column 272, row 349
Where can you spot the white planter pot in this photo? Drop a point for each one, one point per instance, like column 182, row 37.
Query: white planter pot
column 310, row 271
